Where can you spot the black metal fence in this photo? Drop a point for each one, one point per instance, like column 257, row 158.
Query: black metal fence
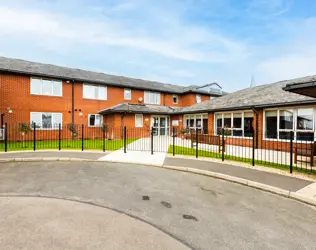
column 290, row 152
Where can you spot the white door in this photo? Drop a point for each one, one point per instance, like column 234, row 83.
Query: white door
column 161, row 125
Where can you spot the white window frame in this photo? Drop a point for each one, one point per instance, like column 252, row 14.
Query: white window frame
column 41, row 124
column 177, row 99
column 142, row 121
column 232, row 123
column 98, row 87
column 295, row 130
column 125, row 94
column 195, row 117
column 41, row 87
column 95, row 126
column 152, row 97
column 198, row 98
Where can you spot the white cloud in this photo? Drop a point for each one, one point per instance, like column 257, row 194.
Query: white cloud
column 265, row 9
column 185, row 43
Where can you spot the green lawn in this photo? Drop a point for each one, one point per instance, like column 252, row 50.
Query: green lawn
column 202, row 153
column 67, row 144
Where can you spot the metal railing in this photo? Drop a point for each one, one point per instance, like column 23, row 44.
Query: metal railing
column 290, row 153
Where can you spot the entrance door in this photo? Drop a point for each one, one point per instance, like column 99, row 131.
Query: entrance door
column 161, row 125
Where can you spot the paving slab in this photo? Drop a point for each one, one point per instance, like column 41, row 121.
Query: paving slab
column 272, row 179
column 136, row 157
column 308, row 191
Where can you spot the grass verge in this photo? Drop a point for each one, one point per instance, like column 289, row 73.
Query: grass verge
column 203, row 153
column 97, row 144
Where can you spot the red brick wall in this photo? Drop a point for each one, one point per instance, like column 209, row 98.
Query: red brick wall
column 190, row 99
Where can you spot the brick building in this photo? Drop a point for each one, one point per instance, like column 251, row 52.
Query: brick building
column 49, row 95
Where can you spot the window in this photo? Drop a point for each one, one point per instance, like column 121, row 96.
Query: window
column 239, row 124
column 138, row 120
column 45, row 120
column 286, row 123
column 198, row 121
column 248, row 124
column 198, row 98
column 46, row 87
column 127, row 94
column 152, row 97
column 94, row 92
column 212, row 97
column 175, row 99
column 95, row 120
column 280, row 123
column 304, row 125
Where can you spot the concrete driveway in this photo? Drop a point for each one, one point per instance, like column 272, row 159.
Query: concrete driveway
column 202, row 212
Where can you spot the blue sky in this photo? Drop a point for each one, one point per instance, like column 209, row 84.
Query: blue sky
column 176, row 41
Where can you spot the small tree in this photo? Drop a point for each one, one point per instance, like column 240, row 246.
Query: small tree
column 73, row 130
column 24, row 128
column 104, row 129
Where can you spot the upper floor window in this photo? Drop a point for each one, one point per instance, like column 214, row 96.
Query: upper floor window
column 95, row 120
column 198, row 98
column 152, row 97
column 94, row 92
column 46, row 120
column 127, row 94
column 41, row 86
column 175, row 99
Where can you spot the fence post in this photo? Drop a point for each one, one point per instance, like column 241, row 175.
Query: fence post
column 124, row 136
column 253, row 148
column 6, row 137
column 173, row 140
column 223, row 145
column 152, row 141
column 197, row 143
column 103, row 132
column 34, row 137
column 82, row 137
column 291, row 152
column 59, row 136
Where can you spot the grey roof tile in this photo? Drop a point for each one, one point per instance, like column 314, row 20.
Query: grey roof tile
column 139, row 108
column 49, row 70
column 259, row 96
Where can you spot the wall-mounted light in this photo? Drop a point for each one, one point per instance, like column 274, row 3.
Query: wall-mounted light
column 10, row 111
column 80, row 114
column 146, row 119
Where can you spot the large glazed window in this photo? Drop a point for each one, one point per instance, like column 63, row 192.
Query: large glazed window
column 152, row 97
column 280, row 123
column 46, row 120
column 94, row 92
column 237, row 124
column 46, row 87
column 197, row 121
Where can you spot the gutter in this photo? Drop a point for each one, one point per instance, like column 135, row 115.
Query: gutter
column 300, row 86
